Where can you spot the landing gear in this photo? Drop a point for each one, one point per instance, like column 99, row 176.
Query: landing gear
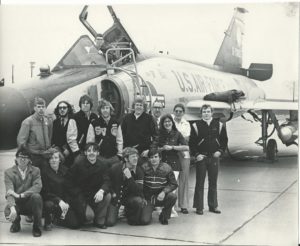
column 269, row 146
column 271, row 150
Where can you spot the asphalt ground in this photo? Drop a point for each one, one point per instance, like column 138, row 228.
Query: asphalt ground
column 258, row 200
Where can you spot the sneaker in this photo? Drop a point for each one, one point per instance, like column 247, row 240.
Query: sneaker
column 174, row 214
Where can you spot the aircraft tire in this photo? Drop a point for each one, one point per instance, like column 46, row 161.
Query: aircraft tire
column 272, row 149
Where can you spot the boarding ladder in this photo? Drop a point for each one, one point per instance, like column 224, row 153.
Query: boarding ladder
column 125, row 56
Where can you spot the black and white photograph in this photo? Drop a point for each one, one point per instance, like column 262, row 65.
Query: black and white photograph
column 151, row 123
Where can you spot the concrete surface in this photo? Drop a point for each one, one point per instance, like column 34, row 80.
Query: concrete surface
column 258, row 200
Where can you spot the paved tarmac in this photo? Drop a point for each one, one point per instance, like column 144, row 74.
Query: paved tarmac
column 258, row 200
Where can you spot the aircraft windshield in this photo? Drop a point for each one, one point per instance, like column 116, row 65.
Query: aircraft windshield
column 82, row 53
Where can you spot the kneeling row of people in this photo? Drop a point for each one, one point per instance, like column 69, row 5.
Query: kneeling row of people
column 89, row 191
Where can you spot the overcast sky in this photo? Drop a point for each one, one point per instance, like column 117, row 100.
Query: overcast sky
column 44, row 33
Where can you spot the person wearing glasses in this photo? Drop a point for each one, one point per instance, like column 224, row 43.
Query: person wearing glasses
column 207, row 142
column 183, row 126
column 157, row 109
column 76, row 134
column 23, row 185
column 171, row 143
column 64, row 119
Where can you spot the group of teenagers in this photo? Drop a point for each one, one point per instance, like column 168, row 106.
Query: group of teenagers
column 82, row 167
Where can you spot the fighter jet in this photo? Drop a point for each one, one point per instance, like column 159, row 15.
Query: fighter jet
column 112, row 67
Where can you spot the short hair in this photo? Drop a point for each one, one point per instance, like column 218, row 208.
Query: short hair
column 103, row 103
column 162, row 120
column 129, row 151
column 52, row 151
column 38, row 101
column 94, row 145
column 24, row 152
column 70, row 109
column 141, row 100
column 85, row 98
column 157, row 102
column 205, row 106
column 153, row 151
column 179, row 105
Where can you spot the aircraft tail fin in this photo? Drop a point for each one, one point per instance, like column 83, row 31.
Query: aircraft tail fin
column 230, row 53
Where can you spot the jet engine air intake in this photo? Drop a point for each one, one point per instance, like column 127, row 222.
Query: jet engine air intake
column 112, row 92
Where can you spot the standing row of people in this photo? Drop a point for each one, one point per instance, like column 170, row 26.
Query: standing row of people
column 102, row 140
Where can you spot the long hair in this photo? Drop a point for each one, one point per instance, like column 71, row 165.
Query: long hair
column 163, row 133
column 70, row 109
column 52, row 151
column 103, row 103
column 162, row 120
column 85, row 98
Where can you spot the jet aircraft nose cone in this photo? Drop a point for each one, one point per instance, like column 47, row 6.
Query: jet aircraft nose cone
column 13, row 109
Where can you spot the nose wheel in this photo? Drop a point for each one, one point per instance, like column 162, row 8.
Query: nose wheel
column 271, row 150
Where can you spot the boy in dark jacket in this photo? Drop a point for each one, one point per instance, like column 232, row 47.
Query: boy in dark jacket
column 208, row 141
column 127, row 189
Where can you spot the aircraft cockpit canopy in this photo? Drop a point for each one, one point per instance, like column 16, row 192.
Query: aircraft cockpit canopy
column 82, row 53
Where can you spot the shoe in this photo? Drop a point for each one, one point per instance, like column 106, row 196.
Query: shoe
column 48, row 227
column 101, row 226
column 29, row 219
column 174, row 214
column 36, row 232
column 15, row 227
column 184, row 211
column 214, row 210
column 163, row 220
column 48, row 222
column 199, row 211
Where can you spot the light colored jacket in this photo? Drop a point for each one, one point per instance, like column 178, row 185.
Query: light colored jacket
column 185, row 129
column 13, row 181
column 35, row 134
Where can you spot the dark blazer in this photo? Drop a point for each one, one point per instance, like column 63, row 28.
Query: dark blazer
column 13, row 181
column 124, row 188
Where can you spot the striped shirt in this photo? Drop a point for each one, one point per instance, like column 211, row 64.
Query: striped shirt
column 161, row 179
